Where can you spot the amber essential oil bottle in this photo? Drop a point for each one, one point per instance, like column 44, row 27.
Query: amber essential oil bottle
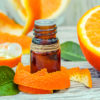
column 45, row 48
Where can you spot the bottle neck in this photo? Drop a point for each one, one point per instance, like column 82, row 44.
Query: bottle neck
column 45, row 32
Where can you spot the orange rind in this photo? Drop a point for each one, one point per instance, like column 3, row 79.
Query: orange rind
column 42, row 79
column 33, row 91
column 24, row 41
column 10, row 54
column 80, row 75
column 12, row 62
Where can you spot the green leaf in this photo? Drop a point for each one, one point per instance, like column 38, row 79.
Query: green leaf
column 7, row 86
column 71, row 51
column 8, row 89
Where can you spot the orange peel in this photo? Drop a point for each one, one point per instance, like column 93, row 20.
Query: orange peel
column 41, row 79
column 33, row 91
column 12, row 62
column 24, row 41
column 81, row 75
column 33, row 12
column 10, row 54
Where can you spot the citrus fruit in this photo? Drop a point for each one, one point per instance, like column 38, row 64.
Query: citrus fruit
column 10, row 54
column 30, row 10
column 80, row 75
column 23, row 40
column 88, row 30
column 48, row 9
column 42, row 79
column 52, row 9
column 33, row 91
column 7, row 25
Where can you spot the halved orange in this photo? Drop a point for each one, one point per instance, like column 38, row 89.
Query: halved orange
column 10, row 54
column 42, row 79
column 23, row 40
column 88, row 30
column 30, row 10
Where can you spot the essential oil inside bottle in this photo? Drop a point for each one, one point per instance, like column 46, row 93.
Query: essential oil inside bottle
column 45, row 49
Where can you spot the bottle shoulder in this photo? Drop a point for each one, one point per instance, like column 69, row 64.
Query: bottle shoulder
column 44, row 41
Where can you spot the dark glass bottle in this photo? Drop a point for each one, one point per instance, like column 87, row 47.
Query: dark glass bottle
column 45, row 49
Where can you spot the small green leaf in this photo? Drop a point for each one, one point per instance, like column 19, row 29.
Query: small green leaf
column 71, row 51
column 7, row 87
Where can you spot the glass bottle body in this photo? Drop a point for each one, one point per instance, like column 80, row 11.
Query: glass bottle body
column 45, row 52
column 48, row 60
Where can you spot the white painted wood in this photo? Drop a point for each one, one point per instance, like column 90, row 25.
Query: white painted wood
column 77, row 91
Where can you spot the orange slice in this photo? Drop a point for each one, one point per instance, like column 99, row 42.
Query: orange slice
column 88, row 30
column 30, row 10
column 81, row 75
column 33, row 12
column 7, row 25
column 52, row 8
column 10, row 54
column 49, row 9
column 33, row 91
column 24, row 41
column 42, row 79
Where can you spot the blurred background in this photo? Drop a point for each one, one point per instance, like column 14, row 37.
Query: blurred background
column 74, row 10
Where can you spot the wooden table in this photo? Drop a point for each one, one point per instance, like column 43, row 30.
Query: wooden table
column 77, row 91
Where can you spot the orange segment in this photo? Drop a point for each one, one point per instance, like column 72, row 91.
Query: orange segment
column 93, row 29
column 42, row 79
column 81, row 75
column 7, row 25
column 24, row 41
column 89, row 36
column 33, row 91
